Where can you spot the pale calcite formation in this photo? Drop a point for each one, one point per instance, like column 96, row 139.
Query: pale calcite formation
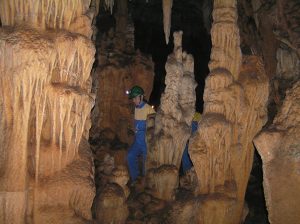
column 46, row 167
column 111, row 180
column 167, row 13
column 167, row 136
column 279, row 148
column 162, row 182
column 73, row 15
column 226, row 52
column 189, row 181
column 184, row 211
column 110, row 202
column 120, row 176
column 235, row 98
column 111, row 205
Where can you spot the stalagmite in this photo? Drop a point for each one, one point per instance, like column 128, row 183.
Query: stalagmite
column 225, row 19
column 167, row 139
column 235, row 99
column 110, row 201
column 167, row 11
column 46, row 173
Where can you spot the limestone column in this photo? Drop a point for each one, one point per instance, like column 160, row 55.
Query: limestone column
column 235, row 98
column 46, row 55
column 167, row 137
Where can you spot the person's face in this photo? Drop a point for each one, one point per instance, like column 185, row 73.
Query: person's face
column 137, row 100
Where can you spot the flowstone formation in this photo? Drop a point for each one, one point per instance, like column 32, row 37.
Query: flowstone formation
column 167, row 136
column 279, row 148
column 235, row 98
column 46, row 167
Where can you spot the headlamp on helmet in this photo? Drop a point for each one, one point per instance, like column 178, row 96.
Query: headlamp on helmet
column 135, row 91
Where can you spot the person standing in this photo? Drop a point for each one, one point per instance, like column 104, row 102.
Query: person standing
column 139, row 147
column 186, row 161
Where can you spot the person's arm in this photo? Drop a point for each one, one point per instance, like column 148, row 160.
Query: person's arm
column 150, row 116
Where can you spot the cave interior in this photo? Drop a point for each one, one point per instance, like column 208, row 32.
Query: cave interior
column 230, row 67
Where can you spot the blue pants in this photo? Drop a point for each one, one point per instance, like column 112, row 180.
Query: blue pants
column 186, row 161
column 137, row 149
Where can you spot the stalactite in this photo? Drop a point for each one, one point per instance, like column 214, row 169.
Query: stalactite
column 40, row 104
column 45, row 96
column 167, row 11
column 44, row 14
column 110, row 5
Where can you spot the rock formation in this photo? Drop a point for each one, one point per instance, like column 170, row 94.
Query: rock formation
column 168, row 135
column 272, row 31
column 46, row 167
column 110, row 204
column 167, row 11
column 235, row 97
column 278, row 26
column 279, row 150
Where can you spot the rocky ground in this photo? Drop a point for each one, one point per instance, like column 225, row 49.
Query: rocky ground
column 134, row 204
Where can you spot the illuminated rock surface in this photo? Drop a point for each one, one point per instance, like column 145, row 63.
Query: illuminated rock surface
column 46, row 99
column 235, row 100
column 279, row 150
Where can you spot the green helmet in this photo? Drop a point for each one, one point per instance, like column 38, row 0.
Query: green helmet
column 135, row 91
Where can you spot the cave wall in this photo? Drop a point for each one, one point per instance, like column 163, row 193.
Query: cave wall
column 275, row 25
column 119, row 68
column 46, row 167
column 278, row 143
column 278, row 146
column 270, row 29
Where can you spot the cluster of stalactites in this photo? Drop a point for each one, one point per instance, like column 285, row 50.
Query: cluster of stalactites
column 74, row 63
column 54, row 91
column 46, row 14
column 109, row 4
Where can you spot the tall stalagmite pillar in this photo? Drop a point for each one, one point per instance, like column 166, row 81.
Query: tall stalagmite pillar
column 235, row 97
column 169, row 133
column 46, row 55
